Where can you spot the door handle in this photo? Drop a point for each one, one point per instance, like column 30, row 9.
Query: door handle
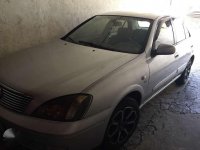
column 176, row 55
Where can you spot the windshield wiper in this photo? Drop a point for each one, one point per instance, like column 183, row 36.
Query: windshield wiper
column 96, row 45
column 71, row 40
column 90, row 44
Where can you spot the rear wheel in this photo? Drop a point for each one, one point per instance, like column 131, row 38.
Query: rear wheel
column 122, row 124
column 185, row 75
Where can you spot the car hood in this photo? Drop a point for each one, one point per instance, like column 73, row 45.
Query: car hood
column 58, row 68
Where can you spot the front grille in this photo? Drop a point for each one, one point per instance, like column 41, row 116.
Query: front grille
column 13, row 100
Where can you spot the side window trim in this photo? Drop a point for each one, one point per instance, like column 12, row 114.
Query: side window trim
column 173, row 31
column 186, row 30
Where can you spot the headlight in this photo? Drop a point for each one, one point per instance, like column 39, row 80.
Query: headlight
column 65, row 108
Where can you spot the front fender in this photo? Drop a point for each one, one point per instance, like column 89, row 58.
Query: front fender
column 112, row 89
column 128, row 90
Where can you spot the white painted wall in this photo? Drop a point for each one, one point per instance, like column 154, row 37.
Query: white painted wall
column 27, row 23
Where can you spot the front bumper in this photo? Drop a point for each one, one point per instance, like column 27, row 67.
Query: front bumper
column 39, row 134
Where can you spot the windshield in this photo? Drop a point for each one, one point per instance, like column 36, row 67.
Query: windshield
column 116, row 33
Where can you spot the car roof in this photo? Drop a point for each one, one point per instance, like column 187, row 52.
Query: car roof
column 135, row 14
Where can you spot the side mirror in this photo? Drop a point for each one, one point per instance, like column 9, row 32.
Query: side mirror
column 164, row 49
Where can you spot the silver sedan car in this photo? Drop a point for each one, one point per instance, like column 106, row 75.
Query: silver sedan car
column 86, row 89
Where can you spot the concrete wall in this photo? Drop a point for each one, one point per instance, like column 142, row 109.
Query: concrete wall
column 27, row 23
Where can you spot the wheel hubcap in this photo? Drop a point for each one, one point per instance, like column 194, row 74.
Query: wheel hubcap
column 122, row 125
column 187, row 71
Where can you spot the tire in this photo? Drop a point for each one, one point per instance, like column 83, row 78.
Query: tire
column 2, row 130
column 185, row 75
column 122, row 124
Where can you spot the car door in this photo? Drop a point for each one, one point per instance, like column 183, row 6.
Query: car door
column 183, row 44
column 162, row 69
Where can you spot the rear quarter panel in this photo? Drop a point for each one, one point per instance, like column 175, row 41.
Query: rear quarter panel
column 185, row 51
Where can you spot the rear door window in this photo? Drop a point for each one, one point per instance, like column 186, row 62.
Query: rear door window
column 179, row 30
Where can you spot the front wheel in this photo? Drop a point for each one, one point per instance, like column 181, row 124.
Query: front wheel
column 2, row 130
column 185, row 75
column 122, row 124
